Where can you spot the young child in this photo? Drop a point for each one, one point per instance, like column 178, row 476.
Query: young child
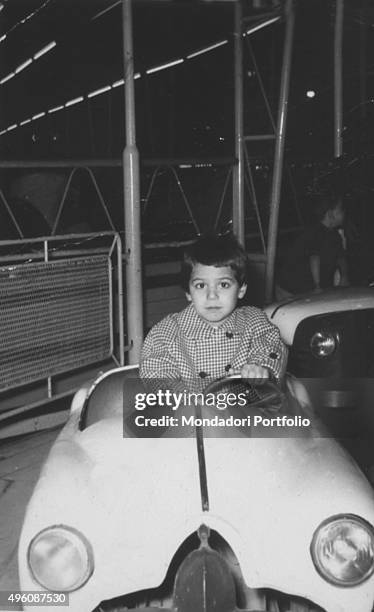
column 212, row 337
column 317, row 254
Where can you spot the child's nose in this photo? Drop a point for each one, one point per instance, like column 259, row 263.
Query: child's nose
column 212, row 292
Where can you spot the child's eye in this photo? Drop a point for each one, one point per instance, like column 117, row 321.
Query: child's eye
column 200, row 285
column 225, row 284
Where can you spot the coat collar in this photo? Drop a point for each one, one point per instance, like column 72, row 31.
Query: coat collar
column 193, row 326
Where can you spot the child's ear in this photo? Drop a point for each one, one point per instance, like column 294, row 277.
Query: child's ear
column 242, row 291
column 189, row 298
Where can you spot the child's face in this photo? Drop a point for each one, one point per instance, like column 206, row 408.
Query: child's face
column 214, row 292
column 337, row 215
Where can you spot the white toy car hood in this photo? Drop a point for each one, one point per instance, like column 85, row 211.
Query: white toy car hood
column 137, row 500
column 288, row 314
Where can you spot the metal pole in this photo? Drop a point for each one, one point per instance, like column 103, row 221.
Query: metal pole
column 338, row 79
column 120, row 302
column 279, row 152
column 238, row 170
column 364, row 201
column 117, row 163
column 134, row 295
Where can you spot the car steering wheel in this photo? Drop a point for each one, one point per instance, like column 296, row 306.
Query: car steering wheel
column 275, row 395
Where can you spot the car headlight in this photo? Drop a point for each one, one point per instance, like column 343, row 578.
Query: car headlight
column 323, row 344
column 60, row 558
column 342, row 550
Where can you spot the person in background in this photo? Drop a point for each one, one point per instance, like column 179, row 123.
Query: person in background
column 317, row 259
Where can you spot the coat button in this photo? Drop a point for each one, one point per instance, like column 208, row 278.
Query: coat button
column 203, row 374
column 228, row 367
column 274, row 356
column 229, row 335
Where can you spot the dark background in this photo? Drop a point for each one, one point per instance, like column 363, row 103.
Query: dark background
column 187, row 111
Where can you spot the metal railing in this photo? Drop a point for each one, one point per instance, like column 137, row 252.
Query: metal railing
column 61, row 313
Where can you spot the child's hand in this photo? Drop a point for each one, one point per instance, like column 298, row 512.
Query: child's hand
column 252, row 370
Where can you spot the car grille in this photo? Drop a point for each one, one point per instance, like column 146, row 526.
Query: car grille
column 224, row 587
column 272, row 602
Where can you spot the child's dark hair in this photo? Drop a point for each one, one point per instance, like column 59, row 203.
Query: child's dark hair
column 218, row 251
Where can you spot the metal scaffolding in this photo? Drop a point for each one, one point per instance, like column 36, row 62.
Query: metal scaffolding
column 243, row 168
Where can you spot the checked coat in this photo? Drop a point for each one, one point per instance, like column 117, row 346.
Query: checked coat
column 185, row 347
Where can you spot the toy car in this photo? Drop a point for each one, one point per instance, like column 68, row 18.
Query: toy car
column 241, row 520
column 330, row 336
